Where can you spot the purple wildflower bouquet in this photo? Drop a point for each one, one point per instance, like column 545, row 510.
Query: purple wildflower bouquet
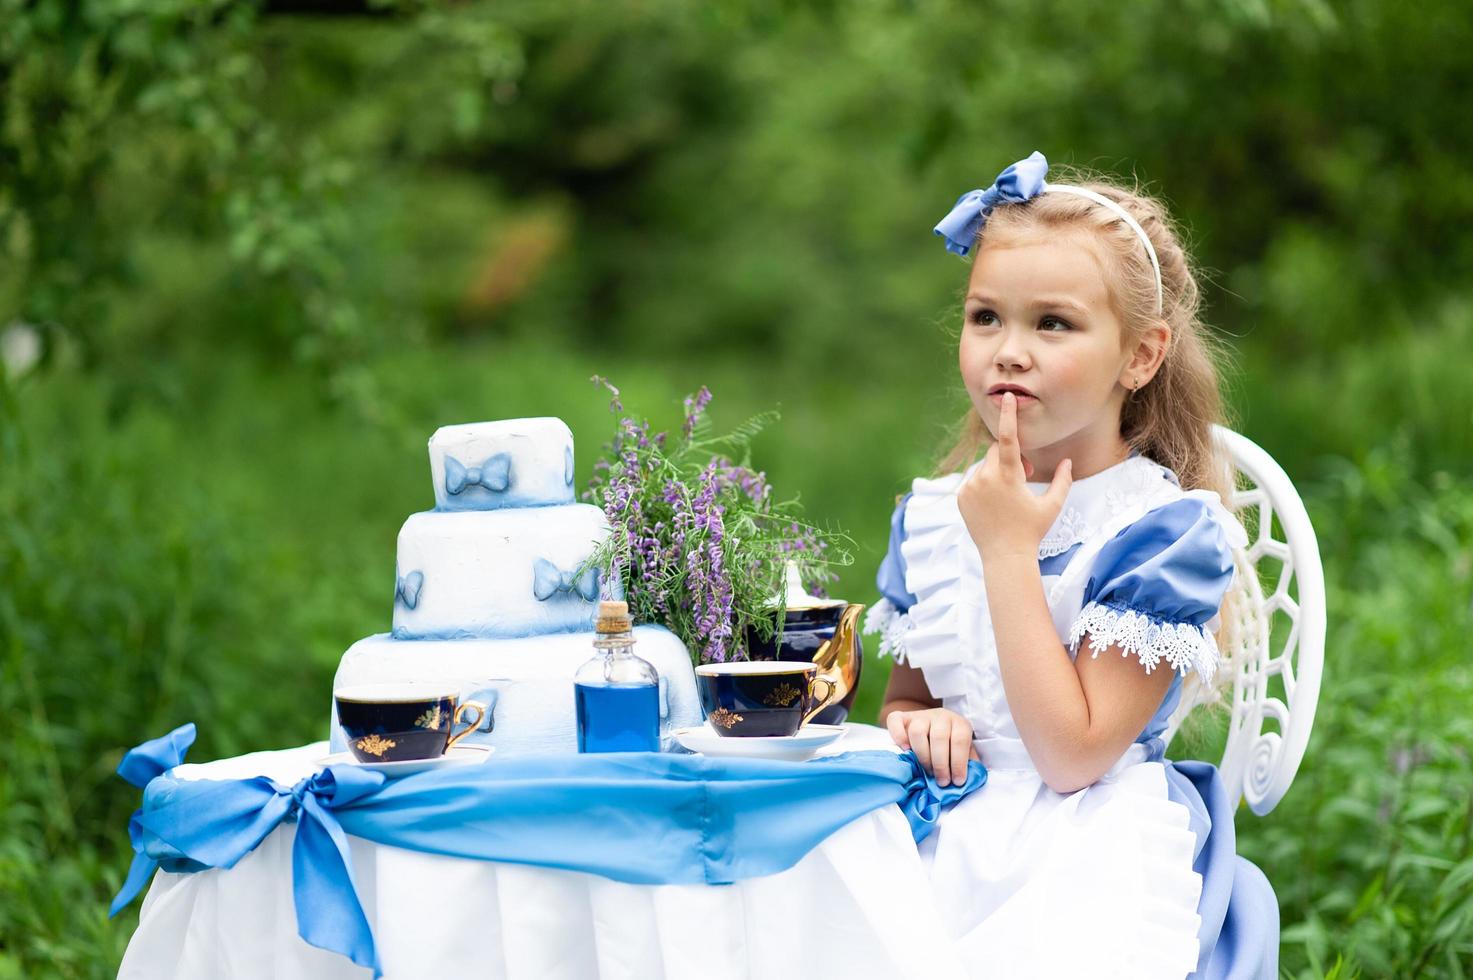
column 698, row 541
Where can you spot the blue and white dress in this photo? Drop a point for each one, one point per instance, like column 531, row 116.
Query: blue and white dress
column 1130, row 876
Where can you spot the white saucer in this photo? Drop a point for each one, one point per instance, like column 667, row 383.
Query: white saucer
column 789, row 748
column 456, row 755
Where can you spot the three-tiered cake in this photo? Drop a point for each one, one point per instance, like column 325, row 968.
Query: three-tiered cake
column 488, row 599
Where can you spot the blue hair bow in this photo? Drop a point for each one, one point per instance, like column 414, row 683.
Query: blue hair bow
column 408, row 588
column 494, row 474
column 548, row 580
column 1019, row 182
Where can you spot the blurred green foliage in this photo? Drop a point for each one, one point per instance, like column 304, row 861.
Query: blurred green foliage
column 257, row 252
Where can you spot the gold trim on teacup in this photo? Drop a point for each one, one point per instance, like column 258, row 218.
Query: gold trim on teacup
column 375, row 745
column 756, row 668
column 397, row 695
column 430, row 719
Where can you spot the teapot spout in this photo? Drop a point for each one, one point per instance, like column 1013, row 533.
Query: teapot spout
column 840, row 646
column 840, row 658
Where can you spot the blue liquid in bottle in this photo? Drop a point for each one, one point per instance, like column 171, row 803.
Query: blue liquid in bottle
column 618, row 717
column 617, row 694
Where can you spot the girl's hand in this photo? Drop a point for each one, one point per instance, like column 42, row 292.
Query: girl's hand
column 941, row 740
column 1002, row 514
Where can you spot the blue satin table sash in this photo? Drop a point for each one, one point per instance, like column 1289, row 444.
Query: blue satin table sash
column 639, row 817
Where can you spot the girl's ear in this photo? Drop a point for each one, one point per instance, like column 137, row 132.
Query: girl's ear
column 1149, row 353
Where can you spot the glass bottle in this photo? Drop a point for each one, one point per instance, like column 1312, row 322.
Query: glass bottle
column 616, row 692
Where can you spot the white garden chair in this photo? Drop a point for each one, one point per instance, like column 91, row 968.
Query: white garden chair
column 1280, row 649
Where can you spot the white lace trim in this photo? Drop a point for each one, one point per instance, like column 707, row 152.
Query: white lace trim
column 892, row 625
column 1181, row 645
column 1070, row 529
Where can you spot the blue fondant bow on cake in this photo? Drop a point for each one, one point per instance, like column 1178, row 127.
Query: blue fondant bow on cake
column 409, row 587
column 494, row 474
column 548, row 580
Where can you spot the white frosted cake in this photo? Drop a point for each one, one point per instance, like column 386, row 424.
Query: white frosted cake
column 487, row 595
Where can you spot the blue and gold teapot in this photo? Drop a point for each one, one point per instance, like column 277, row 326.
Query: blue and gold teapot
column 823, row 631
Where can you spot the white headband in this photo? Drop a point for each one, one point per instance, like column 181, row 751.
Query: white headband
column 1120, row 212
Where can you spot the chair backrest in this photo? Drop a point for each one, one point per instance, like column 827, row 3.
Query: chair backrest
column 1279, row 651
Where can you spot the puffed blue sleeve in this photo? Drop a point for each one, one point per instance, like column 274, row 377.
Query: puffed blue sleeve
column 891, row 577
column 1155, row 588
column 888, row 616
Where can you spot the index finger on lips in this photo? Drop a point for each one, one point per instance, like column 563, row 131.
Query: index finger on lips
column 1007, row 418
column 1007, row 431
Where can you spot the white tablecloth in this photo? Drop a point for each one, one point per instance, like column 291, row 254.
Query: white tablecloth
column 856, row 906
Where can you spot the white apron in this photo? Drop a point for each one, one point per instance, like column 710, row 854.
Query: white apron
column 1034, row 883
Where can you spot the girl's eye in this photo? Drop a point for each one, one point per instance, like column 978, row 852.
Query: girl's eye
column 983, row 317
column 1050, row 322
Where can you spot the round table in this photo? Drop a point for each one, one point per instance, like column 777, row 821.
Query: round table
column 857, row 905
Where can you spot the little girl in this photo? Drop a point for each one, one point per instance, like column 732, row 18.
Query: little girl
column 1045, row 603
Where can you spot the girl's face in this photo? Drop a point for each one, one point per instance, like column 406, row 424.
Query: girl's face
column 1038, row 316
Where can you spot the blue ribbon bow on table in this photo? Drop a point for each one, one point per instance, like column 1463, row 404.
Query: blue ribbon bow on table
column 1019, row 182
column 548, row 580
column 681, row 819
column 193, row 825
column 408, row 588
column 494, row 474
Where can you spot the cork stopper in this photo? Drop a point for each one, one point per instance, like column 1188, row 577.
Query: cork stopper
column 613, row 617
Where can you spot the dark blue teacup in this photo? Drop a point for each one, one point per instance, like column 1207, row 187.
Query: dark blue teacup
column 398, row 722
column 748, row 698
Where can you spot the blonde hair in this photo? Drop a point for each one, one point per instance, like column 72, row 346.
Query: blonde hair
column 1170, row 419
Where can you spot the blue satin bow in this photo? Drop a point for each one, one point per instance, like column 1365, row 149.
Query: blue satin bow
column 924, row 800
column 217, row 822
column 408, row 588
column 494, row 474
column 139, row 767
column 1019, row 182
column 548, row 580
